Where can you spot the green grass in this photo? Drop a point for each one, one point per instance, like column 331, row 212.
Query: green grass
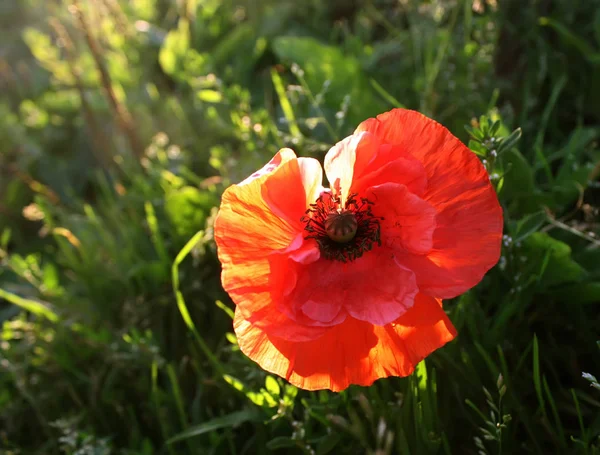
column 121, row 123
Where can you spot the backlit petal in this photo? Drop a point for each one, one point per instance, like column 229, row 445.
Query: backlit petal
column 354, row 352
column 280, row 157
column 327, row 288
column 400, row 168
column 408, row 221
column 295, row 185
column 311, row 174
column 256, row 239
column 246, row 226
column 340, row 160
column 466, row 242
column 361, row 161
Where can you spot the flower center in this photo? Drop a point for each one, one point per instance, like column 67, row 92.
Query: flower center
column 343, row 233
column 341, row 227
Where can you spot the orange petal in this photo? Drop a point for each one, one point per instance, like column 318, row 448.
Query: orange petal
column 354, row 352
column 280, row 157
column 296, row 184
column 254, row 241
column 246, row 226
column 467, row 240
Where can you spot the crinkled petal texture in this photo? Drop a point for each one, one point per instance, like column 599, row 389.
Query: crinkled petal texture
column 466, row 239
column 354, row 352
column 322, row 323
column 259, row 235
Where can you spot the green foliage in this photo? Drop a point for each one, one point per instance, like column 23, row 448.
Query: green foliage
column 122, row 122
column 325, row 68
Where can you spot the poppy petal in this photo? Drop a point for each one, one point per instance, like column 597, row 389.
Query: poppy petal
column 361, row 161
column 404, row 169
column 409, row 221
column 303, row 250
column 260, row 288
column 467, row 240
column 340, row 161
column 296, row 184
column 311, row 174
column 246, row 226
column 280, row 157
column 254, row 242
column 354, row 352
column 326, row 288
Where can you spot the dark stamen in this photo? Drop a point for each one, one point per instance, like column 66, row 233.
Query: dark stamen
column 343, row 233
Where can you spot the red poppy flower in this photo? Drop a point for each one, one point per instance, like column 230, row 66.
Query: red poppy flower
column 343, row 286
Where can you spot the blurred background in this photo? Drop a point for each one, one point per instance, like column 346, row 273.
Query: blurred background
column 121, row 122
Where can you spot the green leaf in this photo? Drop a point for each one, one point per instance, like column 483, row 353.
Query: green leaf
column 580, row 140
column 477, row 148
column 529, row 224
column 261, row 398
column 519, row 185
column 272, row 386
column 475, row 133
column 393, row 102
column 5, row 238
column 225, row 308
column 510, row 141
column 495, row 127
column 230, row 420
column 182, row 306
column 572, row 178
column 230, row 45
column 289, row 394
column 560, row 267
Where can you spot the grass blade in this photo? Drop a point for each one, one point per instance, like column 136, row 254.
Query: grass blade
column 230, row 420
column 181, row 305
column 286, row 106
column 537, row 380
column 33, row 306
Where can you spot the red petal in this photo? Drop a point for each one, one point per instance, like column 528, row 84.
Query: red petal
column 467, row 240
column 408, row 221
column 403, row 169
column 360, row 161
column 354, row 352
column 372, row 288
